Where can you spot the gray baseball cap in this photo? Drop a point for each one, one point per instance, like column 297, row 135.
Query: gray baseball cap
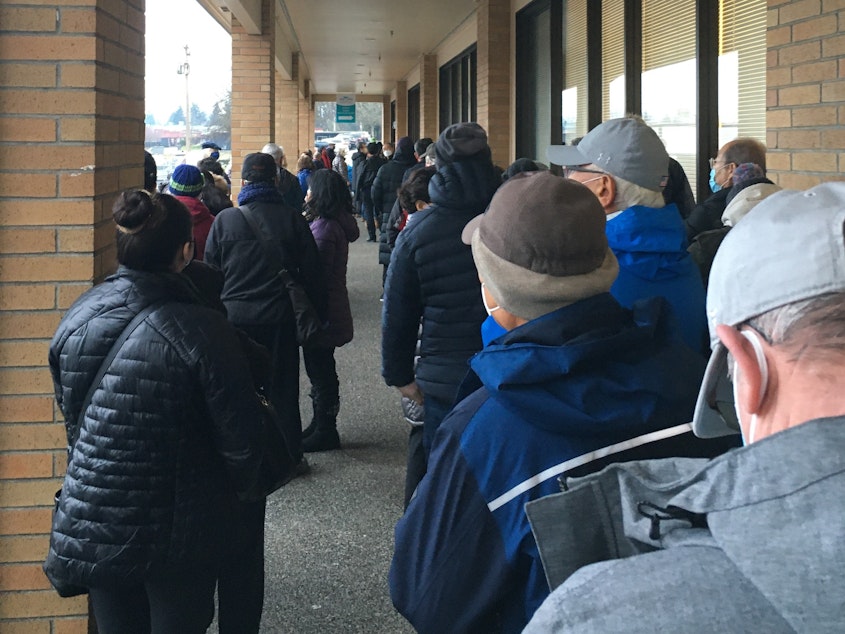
column 789, row 248
column 625, row 147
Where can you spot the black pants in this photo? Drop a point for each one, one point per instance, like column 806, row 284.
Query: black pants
column 240, row 587
column 325, row 387
column 283, row 391
column 180, row 603
column 416, row 467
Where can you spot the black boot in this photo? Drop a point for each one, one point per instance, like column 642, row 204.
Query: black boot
column 325, row 436
column 312, row 426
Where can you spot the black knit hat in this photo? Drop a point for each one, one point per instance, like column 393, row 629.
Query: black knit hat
column 186, row 180
column 462, row 141
column 259, row 168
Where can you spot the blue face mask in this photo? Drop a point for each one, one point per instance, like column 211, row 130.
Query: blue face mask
column 215, row 155
column 491, row 330
column 714, row 186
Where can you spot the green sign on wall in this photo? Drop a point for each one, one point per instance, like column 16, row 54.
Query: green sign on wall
column 345, row 109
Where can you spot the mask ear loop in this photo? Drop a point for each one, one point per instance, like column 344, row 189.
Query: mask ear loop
column 754, row 339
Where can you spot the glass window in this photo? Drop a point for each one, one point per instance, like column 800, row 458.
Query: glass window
column 742, row 69
column 533, row 82
column 414, row 112
column 669, row 76
column 458, row 89
column 613, row 59
column 574, row 94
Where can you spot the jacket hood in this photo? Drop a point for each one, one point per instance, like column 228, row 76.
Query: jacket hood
column 767, row 507
column 404, row 151
column 464, row 185
column 650, row 243
column 593, row 367
column 744, row 200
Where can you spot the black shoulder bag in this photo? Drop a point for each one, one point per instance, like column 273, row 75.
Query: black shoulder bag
column 308, row 322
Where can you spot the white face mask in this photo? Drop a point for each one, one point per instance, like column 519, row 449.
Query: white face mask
column 490, row 310
column 753, row 338
column 388, row 153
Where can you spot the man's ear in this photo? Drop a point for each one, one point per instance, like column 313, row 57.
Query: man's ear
column 606, row 191
column 749, row 389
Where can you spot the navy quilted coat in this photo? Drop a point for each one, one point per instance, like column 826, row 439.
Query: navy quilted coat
column 432, row 275
column 170, row 435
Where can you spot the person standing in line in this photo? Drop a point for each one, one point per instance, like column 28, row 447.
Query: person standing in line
column 363, row 192
column 168, row 437
column 186, row 186
column 288, row 183
column 329, row 211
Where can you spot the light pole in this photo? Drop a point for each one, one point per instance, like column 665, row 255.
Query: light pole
column 185, row 69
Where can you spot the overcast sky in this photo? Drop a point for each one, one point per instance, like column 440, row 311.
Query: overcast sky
column 171, row 24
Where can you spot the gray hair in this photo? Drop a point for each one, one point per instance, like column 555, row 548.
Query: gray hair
column 629, row 194
column 276, row 151
column 814, row 326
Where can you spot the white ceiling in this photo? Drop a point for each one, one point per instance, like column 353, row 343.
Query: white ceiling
column 364, row 46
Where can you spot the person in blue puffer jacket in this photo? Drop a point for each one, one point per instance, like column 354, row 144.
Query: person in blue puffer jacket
column 624, row 163
column 576, row 381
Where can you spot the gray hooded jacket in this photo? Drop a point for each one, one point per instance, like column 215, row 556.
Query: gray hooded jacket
column 753, row 541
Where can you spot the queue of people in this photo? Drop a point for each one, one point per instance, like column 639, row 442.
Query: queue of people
column 593, row 448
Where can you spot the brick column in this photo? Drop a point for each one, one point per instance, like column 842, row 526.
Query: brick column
column 71, row 137
column 385, row 119
column 429, row 106
column 253, row 89
column 401, row 109
column 805, row 98
column 287, row 119
column 494, row 75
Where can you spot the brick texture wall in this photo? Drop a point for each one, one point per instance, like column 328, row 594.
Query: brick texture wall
column 429, row 108
column 805, row 97
column 71, row 137
column 494, row 75
column 253, row 89
column 288, row 102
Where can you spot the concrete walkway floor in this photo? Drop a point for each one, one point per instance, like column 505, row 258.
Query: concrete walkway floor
column 329, row 535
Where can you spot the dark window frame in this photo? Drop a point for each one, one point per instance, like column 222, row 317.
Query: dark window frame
column 458, row 88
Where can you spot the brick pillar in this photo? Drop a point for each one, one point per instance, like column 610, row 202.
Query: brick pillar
column 385, row 119
column 494, row 75
column 71, row 137
column 287, row 119
column 429, row 106
column 401, row 109
column 253, row 88
column 805, row 81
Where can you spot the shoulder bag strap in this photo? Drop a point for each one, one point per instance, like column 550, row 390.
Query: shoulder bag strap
column 104, row 366
column 272, row 254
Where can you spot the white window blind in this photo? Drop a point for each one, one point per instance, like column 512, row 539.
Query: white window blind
column 613, row 59
column 574, row 95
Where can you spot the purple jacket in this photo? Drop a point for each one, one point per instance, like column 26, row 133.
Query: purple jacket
column 333, row 238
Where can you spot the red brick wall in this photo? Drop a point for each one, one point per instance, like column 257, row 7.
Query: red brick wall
column 494, row 75
column 71, row 137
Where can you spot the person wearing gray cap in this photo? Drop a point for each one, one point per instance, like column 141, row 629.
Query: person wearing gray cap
column 750, row 541
column 576, row 381
column 625, row 164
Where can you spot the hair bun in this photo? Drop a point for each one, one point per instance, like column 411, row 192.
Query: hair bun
column 132, row 210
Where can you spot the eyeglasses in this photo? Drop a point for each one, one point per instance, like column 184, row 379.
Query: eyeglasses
column 571, row 169
column 713, row 164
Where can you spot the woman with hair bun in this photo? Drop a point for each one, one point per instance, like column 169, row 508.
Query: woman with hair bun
column 169, row 436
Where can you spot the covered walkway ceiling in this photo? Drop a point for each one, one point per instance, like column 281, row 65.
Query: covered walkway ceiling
column 364, row 46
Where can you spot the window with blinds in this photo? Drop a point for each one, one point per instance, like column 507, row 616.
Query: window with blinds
column 742, row 69
column 613, row 59
column 669, row 76
column 574, row 93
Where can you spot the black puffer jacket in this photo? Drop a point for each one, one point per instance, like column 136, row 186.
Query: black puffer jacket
column 388, row 180
column 170, row 435
column 432, row 275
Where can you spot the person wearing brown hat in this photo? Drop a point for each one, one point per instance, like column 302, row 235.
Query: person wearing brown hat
column 432, row 277
column 575, row 375
column 258, row 304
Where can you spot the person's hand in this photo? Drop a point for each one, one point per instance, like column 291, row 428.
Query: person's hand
column 412, row 392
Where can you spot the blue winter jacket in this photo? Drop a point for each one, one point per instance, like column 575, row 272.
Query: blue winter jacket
column 432, row 275
column 651, row 247
column 584, row 377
